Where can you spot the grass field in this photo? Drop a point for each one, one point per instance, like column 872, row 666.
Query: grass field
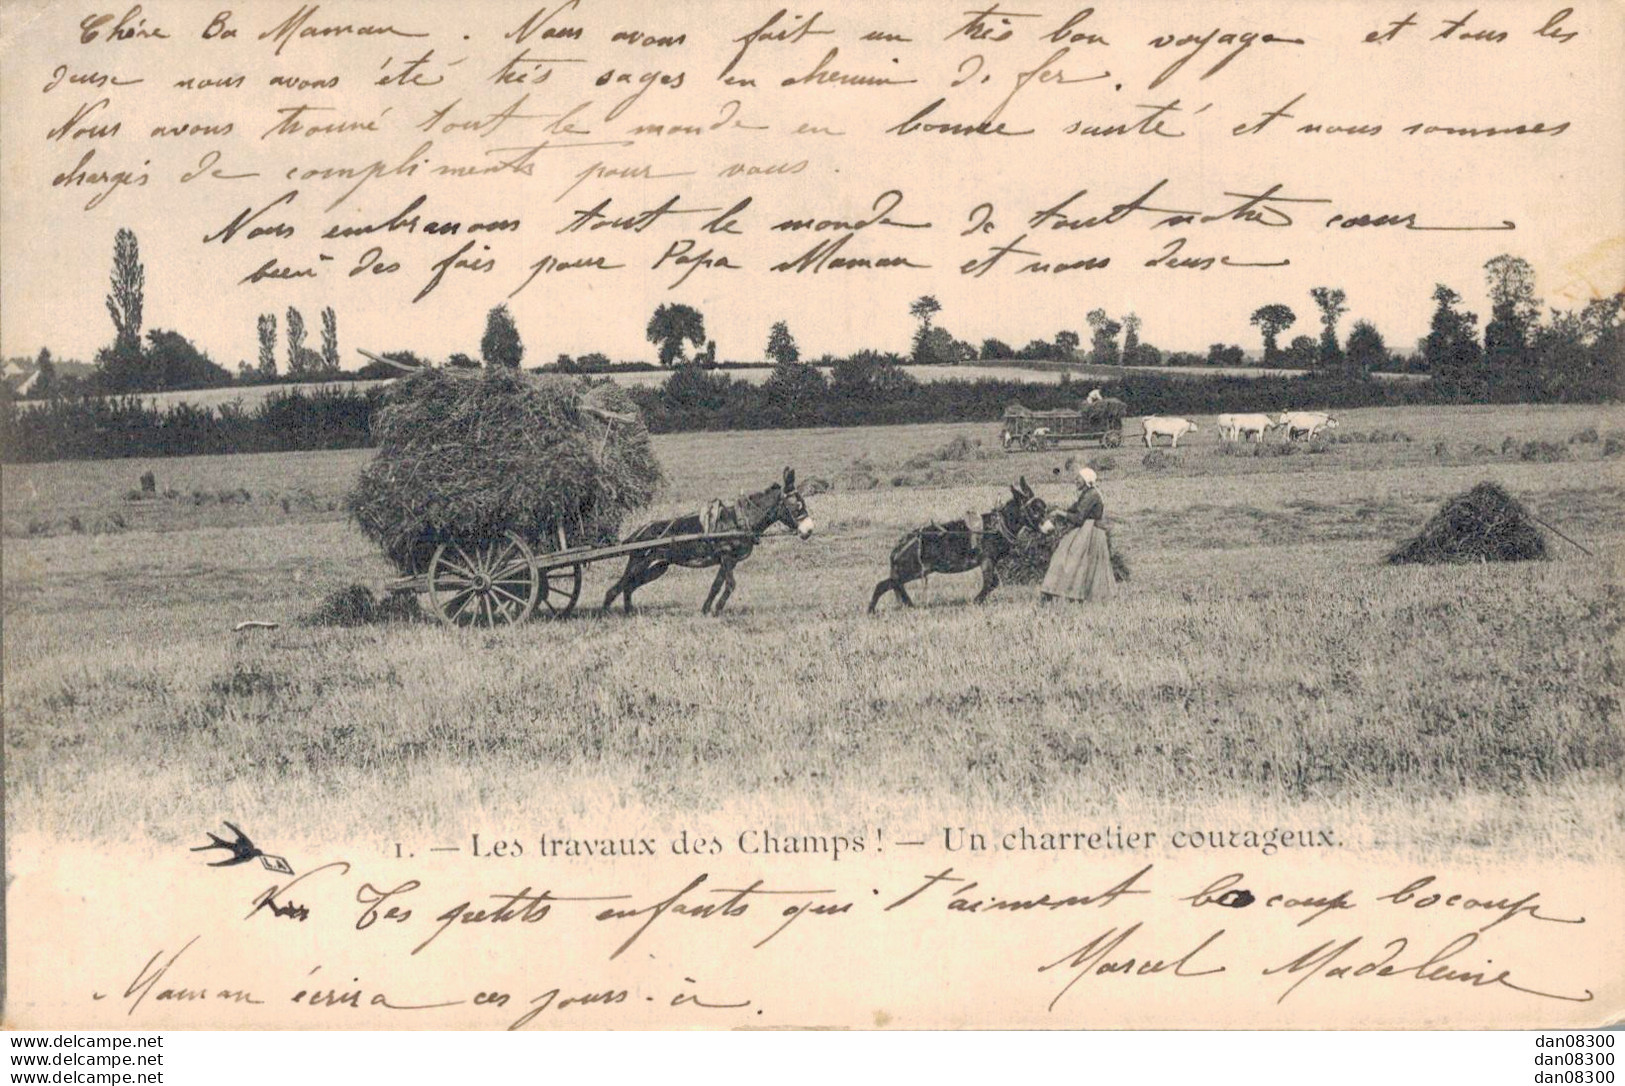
column 1261, row 659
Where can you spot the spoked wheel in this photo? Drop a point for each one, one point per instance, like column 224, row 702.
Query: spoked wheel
column 560, row 585
column 494, row 583
column 1112, row 439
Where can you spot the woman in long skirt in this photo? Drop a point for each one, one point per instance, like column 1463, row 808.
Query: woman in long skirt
column 1081, row 567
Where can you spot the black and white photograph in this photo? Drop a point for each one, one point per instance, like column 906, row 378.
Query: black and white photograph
column 597, row 515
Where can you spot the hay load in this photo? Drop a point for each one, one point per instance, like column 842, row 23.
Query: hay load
column 468, row 456
column 1484, row 524
column 1028, row 560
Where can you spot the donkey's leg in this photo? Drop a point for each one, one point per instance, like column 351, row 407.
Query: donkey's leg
column 890, row 584
column 894, row 584
column 727, row 588
column 650, row 572
column 716, row 586
column 632, row 563
column 990, row 580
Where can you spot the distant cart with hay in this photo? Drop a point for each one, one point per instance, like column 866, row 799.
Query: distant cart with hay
column 1037, row 431
column 493, row 490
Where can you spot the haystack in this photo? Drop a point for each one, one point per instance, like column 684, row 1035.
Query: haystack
column 468, row 456
column 1484, row 524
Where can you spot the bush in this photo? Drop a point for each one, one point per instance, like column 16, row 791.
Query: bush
column 1157, row 460
column 1613, row 447
column 1588, row 436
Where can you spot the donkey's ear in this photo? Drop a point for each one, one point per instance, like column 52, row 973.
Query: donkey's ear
column 789, row 478
column 1025, row 489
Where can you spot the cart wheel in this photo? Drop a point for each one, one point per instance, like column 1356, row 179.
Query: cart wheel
column 561, row 586
column 494, row 583
column 1112, row 439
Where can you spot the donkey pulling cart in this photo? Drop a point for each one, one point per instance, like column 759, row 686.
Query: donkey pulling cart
column 493, row 490
column 1037, row 431
column 504, row 580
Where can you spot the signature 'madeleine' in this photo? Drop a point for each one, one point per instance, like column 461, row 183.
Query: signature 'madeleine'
column 1318, row 963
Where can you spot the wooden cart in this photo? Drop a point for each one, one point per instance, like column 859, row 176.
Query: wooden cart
column 505, row 580
column 1035, row 431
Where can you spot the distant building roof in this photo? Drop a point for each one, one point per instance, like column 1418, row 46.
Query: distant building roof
column 18, row 377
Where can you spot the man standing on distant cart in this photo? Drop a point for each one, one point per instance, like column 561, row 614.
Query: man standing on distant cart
column 1081, row 568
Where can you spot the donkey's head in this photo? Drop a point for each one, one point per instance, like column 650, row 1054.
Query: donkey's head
column 1025, row 510
column 791, row 508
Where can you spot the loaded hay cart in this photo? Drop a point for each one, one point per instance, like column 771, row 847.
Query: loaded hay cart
column 492, row 491
column 1036, row 431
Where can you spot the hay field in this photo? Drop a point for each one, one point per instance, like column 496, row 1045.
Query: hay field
column 1261, row 663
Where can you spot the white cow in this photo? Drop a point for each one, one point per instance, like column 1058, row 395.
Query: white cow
column 1168, row 427
column 1253, row 427
column 1305, row 423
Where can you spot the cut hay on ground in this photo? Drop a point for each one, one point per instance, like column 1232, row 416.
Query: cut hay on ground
column 1484, row 524
column 470, row 457
column 355, row 605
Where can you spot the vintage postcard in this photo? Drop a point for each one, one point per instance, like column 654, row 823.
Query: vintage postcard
column 726, row 514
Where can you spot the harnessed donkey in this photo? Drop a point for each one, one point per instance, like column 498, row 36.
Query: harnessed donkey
column 959, row 548
column 752, row 515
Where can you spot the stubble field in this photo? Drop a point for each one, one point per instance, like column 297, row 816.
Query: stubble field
column 1261, row 664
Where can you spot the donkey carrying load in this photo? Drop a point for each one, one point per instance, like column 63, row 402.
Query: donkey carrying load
column 746, row 520
column 960, row 547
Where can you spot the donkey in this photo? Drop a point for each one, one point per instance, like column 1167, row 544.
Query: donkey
column 955, row 548
column 754, row 514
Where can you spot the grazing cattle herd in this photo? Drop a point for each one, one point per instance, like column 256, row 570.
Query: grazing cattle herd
column 1299, row 426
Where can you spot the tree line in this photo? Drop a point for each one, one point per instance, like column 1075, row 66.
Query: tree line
column 1520, row 355
column 866, row 389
